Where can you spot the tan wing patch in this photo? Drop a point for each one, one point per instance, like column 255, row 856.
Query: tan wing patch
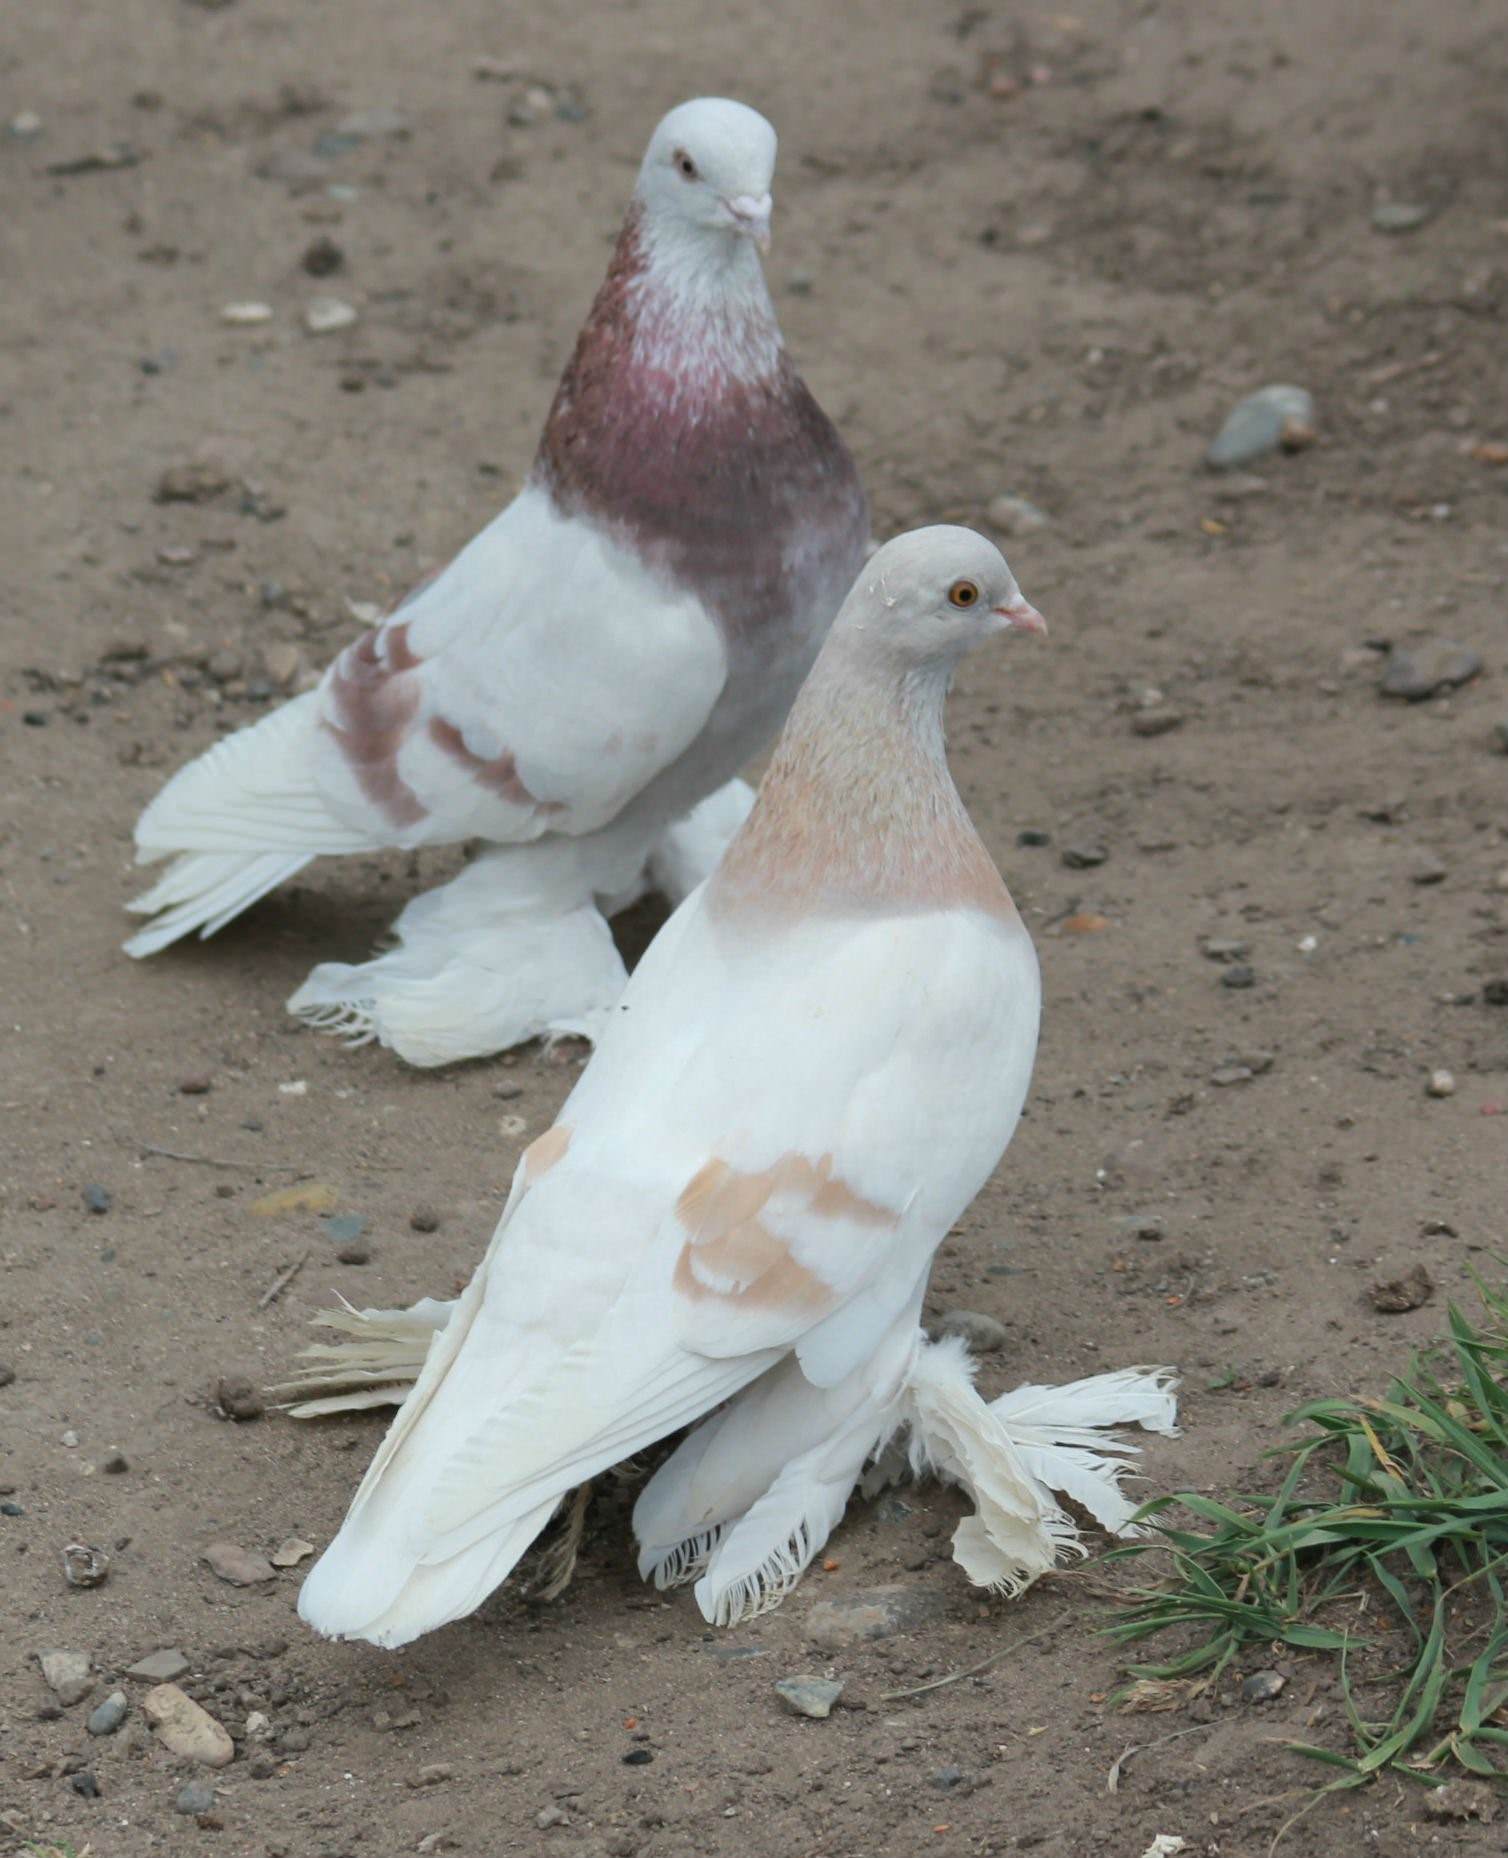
column 543, row 1152
column 733, row 1254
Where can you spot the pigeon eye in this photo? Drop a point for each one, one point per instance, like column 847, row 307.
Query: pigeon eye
column 685, row 165
column 963, row 593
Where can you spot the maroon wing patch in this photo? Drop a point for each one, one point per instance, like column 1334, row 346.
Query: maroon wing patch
column 372, row 703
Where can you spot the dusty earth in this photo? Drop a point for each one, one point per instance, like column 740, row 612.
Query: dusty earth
column 1019, row 252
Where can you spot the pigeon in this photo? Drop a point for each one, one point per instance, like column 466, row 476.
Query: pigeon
column 581, row 686
column 815, row 1067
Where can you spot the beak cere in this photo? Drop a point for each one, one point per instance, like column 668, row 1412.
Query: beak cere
column 751, row 217
column 1023, row 616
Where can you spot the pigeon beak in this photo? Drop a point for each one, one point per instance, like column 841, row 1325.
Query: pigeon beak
column 750, row 217
column 1023, row 616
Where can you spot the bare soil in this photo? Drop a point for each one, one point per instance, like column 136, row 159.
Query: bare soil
column 1017, row 251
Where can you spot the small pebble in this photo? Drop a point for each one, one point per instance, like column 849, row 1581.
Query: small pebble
column 357, row 1252
column 1399, row 215
column 7, row 1374
column 343, row 1227
column 424, row 1219
column 1397, row 1295
column 187, row 1729
column 326, row 315
column 1428, row 869
column 25, row 126
column 290, row 1553
column 1260, row 424
column 1263, row 1686
column 1224, row 948
column 1441, row 1084
column 84, row 1784
column 159, row 1667
column 115, row 1464
column 97, row 1199
column 1016, row 516
column 431, row 1774
column 1229, row 1074
column 105, row 1718
column 197, row 1797
column 1155, row 722
column 294, row 1741
column 1239, row 975
column 246, row 315
column 809, row 1696
column 198, row 1085
column 236, row 1565
column 638, row 1758
column 548, row 1816
column 1033, row 836
column 982, row 1333
column 1084, row 857
column 322, row 256
column 84, row 1565
column 68, row 1675
column 238, row 1399
column 1414, row 673
column 1146, row 1227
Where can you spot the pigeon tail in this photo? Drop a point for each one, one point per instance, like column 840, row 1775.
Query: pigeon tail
column 203, row 891
column 241, row 820
column 377, row 1368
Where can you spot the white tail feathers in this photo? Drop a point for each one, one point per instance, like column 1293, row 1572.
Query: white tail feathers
column 242, row 819
column 752, row 1493
column 376, row 1369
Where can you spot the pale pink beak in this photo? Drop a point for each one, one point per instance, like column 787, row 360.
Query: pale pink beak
column 751, row 217
column 1023, row 616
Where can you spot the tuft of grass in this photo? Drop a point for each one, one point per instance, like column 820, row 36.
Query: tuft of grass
column 1383, row 1546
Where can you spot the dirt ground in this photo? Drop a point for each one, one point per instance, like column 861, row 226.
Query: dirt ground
column 1018, row 251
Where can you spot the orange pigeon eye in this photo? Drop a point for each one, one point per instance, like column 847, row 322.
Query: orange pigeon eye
column 963, row 593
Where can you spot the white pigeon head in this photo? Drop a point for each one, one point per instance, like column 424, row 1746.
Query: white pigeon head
column 933, row 594
column 708, row 169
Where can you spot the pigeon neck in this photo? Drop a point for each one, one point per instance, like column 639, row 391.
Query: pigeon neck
column 858, row 813
column 699, row 302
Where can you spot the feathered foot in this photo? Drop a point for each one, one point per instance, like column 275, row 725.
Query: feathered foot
column 1016, row 1455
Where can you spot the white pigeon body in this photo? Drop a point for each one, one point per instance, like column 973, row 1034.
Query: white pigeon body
column 814, row 1069
column 593, row 668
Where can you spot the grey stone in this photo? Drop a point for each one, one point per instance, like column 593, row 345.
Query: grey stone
column 238, row 1565
column 370, row 125
column 1400, row 215
column 809, row 1696
column 1416, row 672
column 68, row 1675
column 1263, row 1686
column 160, row 1667
column 198, row 1797
column 872, row 1613
column 982, row 1333
column 1016, row 516
column 1238, row 976
column 105, row 1718
column 1257, row 425
column 1158, row 721
column 1084, row 857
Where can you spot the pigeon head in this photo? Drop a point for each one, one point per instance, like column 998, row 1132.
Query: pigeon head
column 931, row 595
column 707, row 173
